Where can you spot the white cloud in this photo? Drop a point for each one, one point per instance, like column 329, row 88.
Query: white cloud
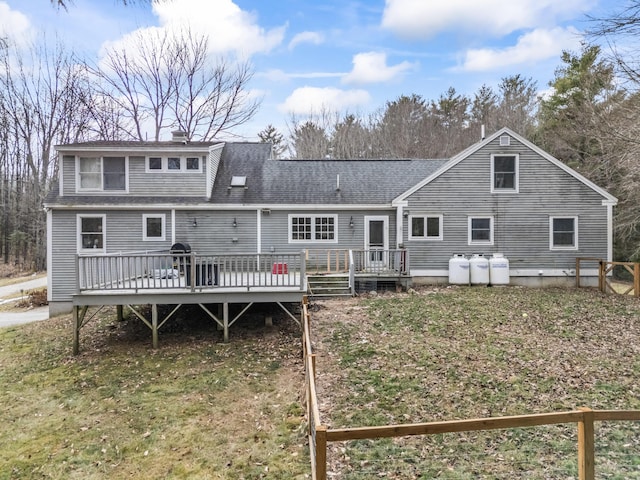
column 14, row 24
column 309, row 100
column 532, row 47
column 371, row 67
column 277, row 75
column 229, row 28
column 306, row 37
column 423, row 19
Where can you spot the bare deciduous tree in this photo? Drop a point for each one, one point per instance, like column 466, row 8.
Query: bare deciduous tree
column 41, row 105
column 166, row 80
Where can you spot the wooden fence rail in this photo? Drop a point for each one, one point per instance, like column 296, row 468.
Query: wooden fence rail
column 605, row 275
column 320, row 434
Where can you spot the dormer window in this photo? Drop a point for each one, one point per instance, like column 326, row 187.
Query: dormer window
column 173, row 164
column 102, row 174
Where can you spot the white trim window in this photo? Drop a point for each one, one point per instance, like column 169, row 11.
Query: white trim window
column 425, row 227
column 504, row 173
column 480, row 231
column 153, row 227
column 108, row 174
column 313, row 228
column 171, row 164
column 563, row 233
column 91, row 233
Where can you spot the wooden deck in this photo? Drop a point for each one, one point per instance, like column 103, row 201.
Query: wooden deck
column 213, row 281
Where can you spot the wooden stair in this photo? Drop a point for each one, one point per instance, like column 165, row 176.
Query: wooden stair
column 335, row 285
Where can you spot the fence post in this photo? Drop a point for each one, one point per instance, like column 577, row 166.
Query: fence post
column 586, row 454
column 601, row 281
column 321, row 452
column 636, row 279
column 577, row 272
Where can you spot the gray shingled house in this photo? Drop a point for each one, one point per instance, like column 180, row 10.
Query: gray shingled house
column 211, row 222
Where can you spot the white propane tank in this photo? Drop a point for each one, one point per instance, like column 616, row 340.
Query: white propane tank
column 459, row 270
column 499, row 270
column 479, row 270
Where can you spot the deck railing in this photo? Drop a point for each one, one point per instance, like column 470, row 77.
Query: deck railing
column 381, row 262
column 189, row 271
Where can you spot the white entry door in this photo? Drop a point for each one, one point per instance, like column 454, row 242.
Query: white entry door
column 376, row 241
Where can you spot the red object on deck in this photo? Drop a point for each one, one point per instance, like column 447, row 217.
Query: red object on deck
column 282, row 268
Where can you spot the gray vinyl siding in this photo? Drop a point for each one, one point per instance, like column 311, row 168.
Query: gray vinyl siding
column 124, row 231
column 68, row 174
column 63, row 258
column 142, row 183
column 166, row 183
column 215, row 232
column 275, row 230
column 521, row 220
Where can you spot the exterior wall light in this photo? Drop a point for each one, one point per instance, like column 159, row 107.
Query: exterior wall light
column 351, row 224
column 195, row 222
column 235, row 223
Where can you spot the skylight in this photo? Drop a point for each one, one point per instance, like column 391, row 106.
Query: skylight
column 237, row 181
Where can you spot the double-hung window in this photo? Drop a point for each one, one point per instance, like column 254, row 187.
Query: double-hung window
column 102, row 173
column 313, row 228
column 425, row 227
column 153, row 227
column 563, row 233
column 480, row 230
column 91, row 232
column 504, row 173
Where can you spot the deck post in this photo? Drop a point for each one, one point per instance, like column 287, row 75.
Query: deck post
column 225, row 321
column 154, row 324
column 76, row 330
column 119, row 313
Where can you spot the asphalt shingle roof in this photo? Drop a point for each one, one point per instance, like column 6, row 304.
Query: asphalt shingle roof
column 316, row 181
column 279, row 182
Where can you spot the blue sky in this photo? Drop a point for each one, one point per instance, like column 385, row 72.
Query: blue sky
column 338, row 55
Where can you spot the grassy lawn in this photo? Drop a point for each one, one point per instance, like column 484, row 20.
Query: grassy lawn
column 194, row 408
column 454, row 353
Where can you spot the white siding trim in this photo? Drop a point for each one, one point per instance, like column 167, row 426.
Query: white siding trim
column 609, row 232
column 515, row 272
column 60, row 174
column 173, row 226
column 215, row 152
column 259, row 231
column 50, row 254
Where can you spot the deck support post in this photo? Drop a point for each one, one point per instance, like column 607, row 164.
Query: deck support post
column 154, row 324
column 119, row 312
column 225, row 320
column 220, row 315
column 268, row 321
column 76, row 330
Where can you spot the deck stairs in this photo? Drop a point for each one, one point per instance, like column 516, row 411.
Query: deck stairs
column 329, row 285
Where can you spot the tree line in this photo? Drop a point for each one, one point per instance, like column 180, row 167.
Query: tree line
column 149, row 85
